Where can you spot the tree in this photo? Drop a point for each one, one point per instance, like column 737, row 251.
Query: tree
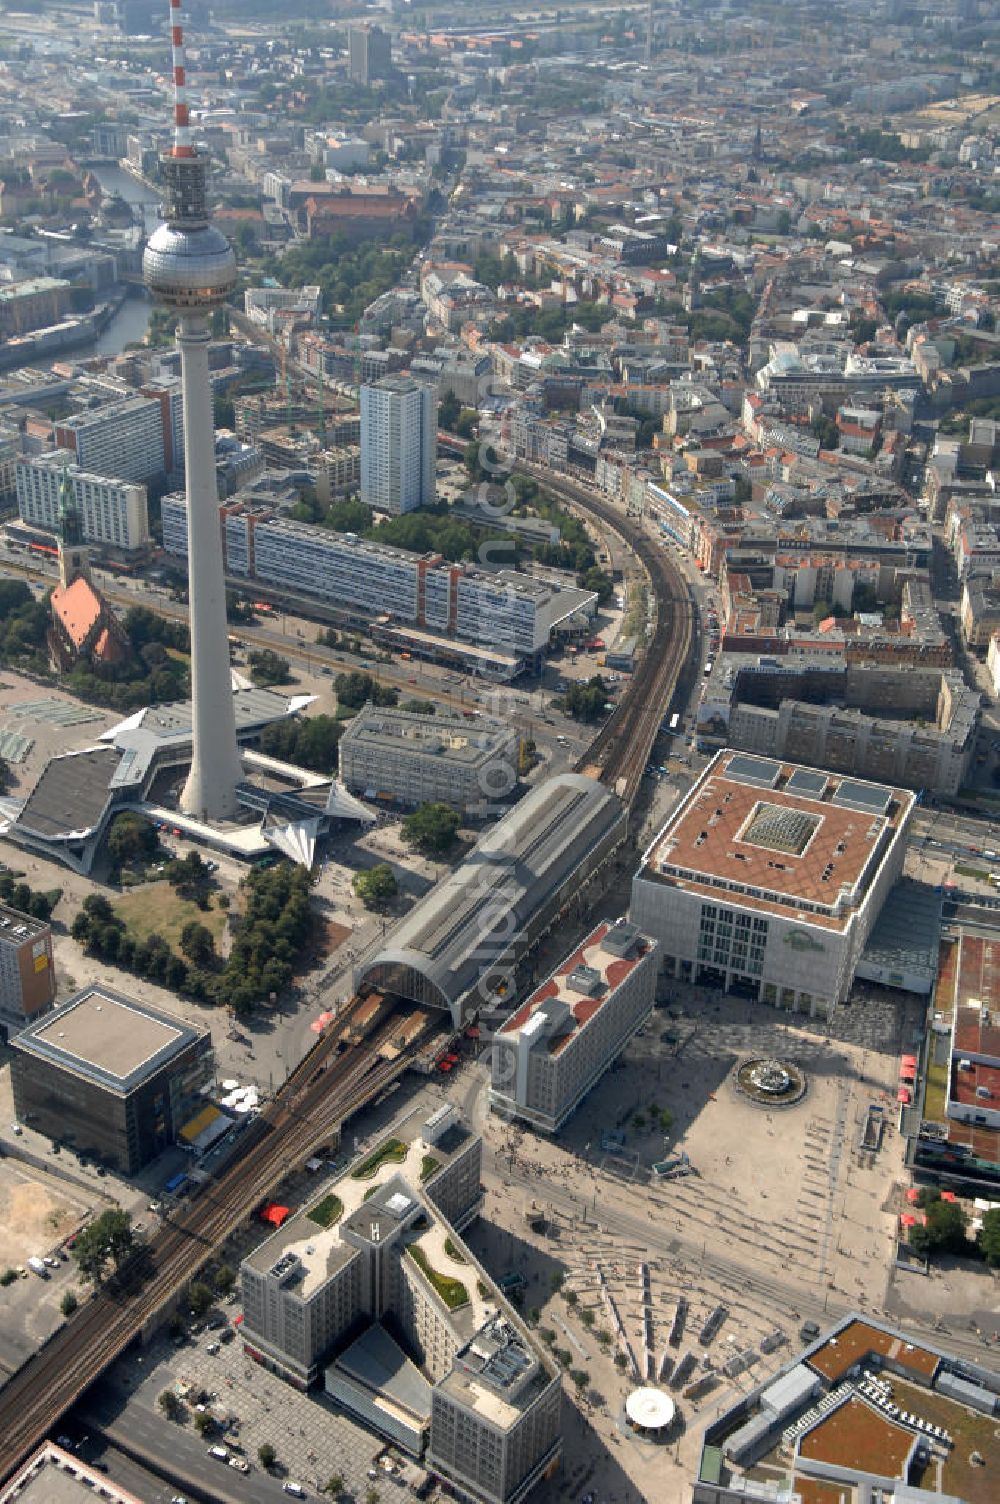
column 943, row 1230
column 585, row 702
column 203, row 1422
column 198, row 943
column 419, row 707
column 621, row 1362
column 587, row 1317
column 199, row 1297
column 308, row 743
column 372, row 1496
column 989, row 1238
column 377, row 886
column 266, row 1455
column 595, row 579
column 225, row 1278
column 108, row 1239
column 334, row 1486
column 69, row 1303
column 170, row 1404
column 189, row 875
column 448, row 411
column 466, row 425
column 432, row 828
column 580, row 1378
column 356, row 688
column 267, row 667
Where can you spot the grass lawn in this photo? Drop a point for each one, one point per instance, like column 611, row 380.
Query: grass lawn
column 427, row 1167
column 326, row 1212
column 393, row 1152
column 935, row 1093
column 156, row 907
column 451, row 1291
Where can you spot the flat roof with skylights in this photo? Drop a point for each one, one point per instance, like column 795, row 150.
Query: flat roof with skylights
column 779, row 837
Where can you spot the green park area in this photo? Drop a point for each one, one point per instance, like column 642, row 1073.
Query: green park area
column 157, row 908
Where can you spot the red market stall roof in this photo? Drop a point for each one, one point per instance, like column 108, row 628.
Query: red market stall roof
column 909, row 1060
column 906, row 1074
column 948, row 1196
column 912, row 1194
column 319, row 1024
column 903, row 1095
column 275, row 1214
column 907, row 1219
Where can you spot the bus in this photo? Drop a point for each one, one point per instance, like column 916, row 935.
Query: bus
column 675, row 721
column 708, row 668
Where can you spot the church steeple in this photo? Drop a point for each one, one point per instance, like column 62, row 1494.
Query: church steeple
column 74, row 555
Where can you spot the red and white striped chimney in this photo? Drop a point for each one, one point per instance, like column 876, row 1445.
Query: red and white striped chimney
column 182, row 146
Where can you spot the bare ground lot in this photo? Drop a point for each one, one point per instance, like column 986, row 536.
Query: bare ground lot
column 35, row 1215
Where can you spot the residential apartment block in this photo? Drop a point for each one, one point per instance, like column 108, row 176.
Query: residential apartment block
column 398, row 444
column 27, row 975
column 507, row 611
column 124, row 439
column 371, row 1289
column 391, row 754
column 555, row 1048
column 112, row 512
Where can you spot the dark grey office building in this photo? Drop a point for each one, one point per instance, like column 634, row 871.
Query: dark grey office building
column 369, row 53
column 112, row 1077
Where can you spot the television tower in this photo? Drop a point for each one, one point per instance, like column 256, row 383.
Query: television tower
column 189, row 266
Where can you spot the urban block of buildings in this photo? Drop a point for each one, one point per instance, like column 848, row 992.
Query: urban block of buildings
column 390, row 754
column 768, row 878
column 953, row 1133
column 27, row 973
column 115, row 1078
column 370, row 1289
column 557, row 1045
column 894, row 722
column 863, row 1408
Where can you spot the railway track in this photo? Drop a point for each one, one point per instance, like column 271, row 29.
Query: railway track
column 336, row 1078
column 620, row 751
column 324, row 1090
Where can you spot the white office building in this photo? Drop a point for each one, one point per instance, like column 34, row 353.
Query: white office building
column 372, row 1289
column 557, row 1045
column 768, row 877
column 123, row 439
column 413, row 759
column 111, row 512
column 398, row 444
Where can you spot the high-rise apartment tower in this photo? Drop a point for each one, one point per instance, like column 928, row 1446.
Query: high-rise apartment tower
column 398, row 444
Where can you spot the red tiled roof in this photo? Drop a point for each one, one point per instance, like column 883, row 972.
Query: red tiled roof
column 78, row 608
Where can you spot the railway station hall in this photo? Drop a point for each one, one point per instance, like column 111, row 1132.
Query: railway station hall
column 459, row 948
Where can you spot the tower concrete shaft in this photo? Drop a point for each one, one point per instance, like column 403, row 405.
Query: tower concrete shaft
column 210, row 790
column 190, row 267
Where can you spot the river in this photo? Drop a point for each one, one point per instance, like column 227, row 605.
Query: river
column 131, row 321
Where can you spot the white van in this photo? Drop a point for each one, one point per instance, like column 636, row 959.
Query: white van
column 296, row 1490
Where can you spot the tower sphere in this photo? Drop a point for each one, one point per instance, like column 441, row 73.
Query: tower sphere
column 189, row 267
